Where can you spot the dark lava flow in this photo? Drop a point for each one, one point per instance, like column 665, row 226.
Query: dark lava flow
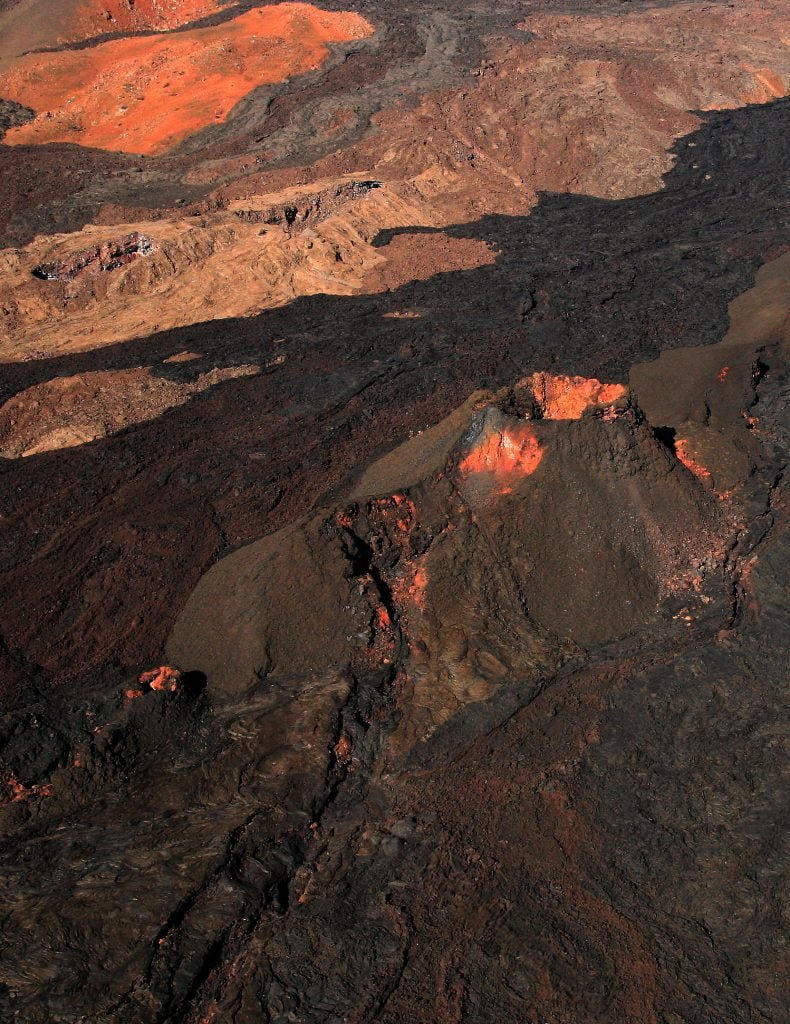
column 597, row 840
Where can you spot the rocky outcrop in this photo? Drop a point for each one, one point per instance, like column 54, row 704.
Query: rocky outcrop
column 396, row 696
column 13, row 114
column 110, row 255
column 310, row 209
column 193, row 257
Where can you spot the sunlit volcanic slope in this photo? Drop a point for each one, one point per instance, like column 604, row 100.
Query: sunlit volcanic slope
column 583, row 104
column 92, row 18
column 144, row 94
column 28, row 25
column 339, row 375
column 393, row 555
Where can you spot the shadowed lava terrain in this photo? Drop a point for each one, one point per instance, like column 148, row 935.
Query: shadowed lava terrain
column 393, row 425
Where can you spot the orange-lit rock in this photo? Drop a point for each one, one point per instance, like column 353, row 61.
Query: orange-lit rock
column 12, row 791
column 419, row 586
column 145, row 94
column 165, row 679
column 684, row 454
column 410, row 589
column 769, row 85
column 568, row 398
column 407, row 512
column 506, row 454
column 342, row 750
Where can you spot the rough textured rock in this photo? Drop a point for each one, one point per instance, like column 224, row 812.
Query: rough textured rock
column 111, row 255
column 393, row 605
column 12, row 115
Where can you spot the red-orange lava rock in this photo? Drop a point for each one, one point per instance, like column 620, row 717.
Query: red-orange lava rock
column 689, row 461
column 342, row 750
column 568, row 398
column 144, row 94
column 12, row 791
column 507, row 454
column 419, row 586
column 165, row 679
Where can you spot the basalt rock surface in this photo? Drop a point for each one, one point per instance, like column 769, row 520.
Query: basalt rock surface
column 12, row 115
column 393, row 577
column 309, row 209
column 111, row 256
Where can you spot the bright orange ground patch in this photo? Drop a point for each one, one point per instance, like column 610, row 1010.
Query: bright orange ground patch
column 568, row 398
column 145, row 94
column 507, row 454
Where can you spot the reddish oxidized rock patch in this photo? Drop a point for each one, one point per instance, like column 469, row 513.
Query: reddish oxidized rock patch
column 144, row 94
column 411, row 587
column 165, row 679
column 507, row 454
column 343, row 751
column 12, row 791
column 568, row 398
column 685, row 455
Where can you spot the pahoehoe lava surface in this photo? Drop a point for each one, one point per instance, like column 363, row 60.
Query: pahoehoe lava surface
column 415, row 652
